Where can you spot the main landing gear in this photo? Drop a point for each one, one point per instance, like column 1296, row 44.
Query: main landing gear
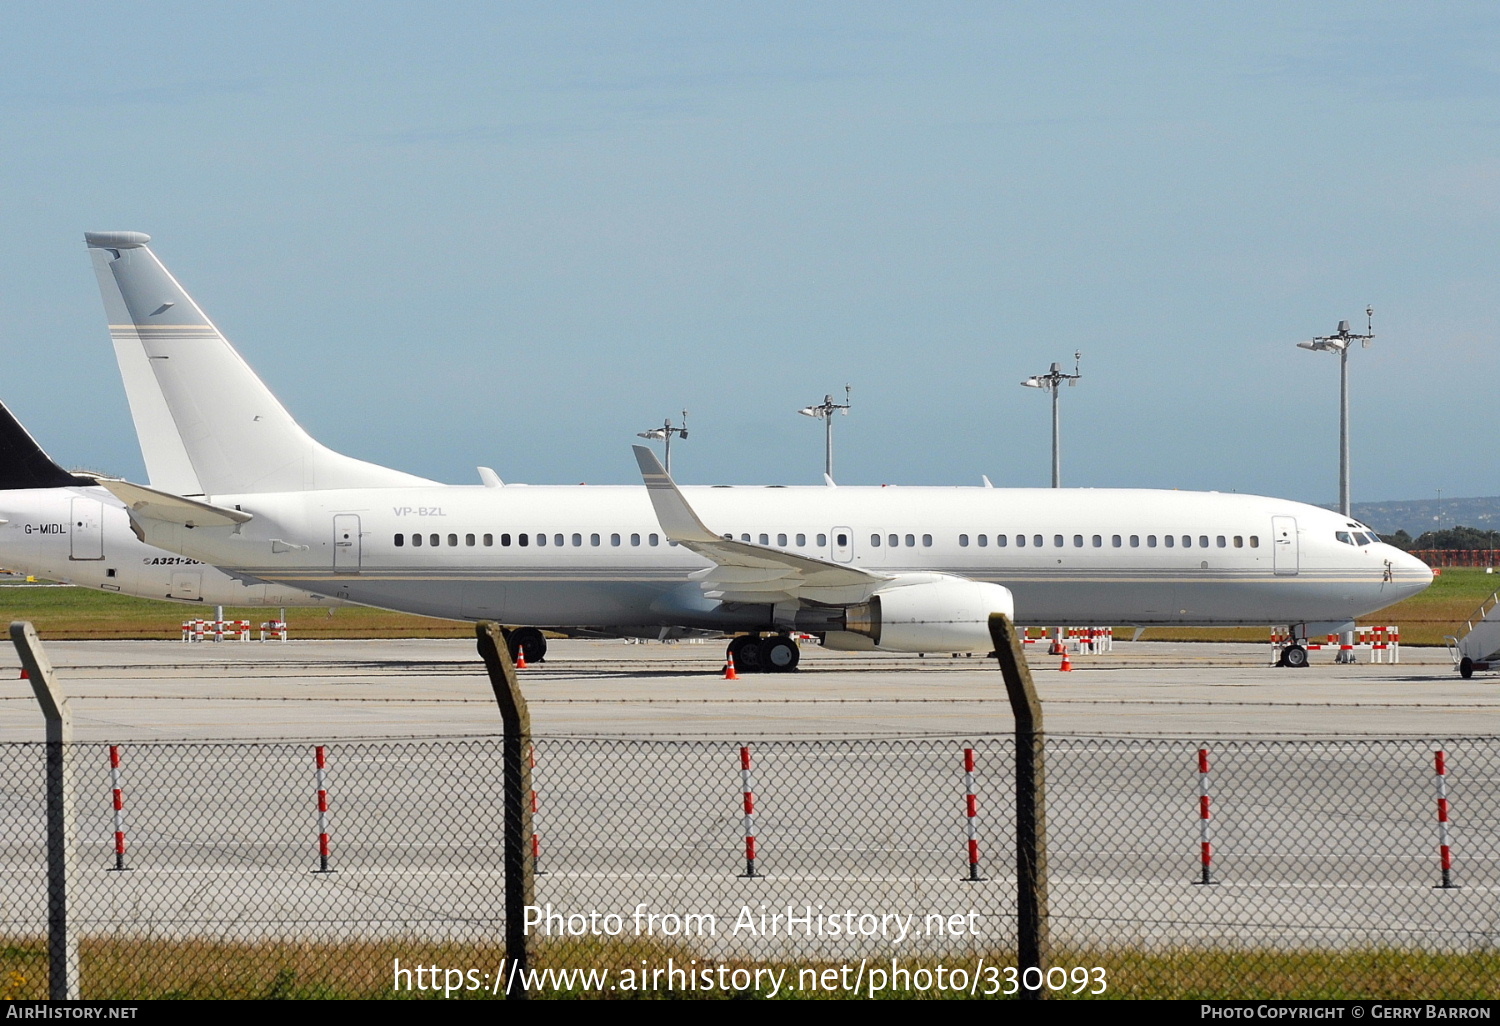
column 528, row 640
column 754, row 654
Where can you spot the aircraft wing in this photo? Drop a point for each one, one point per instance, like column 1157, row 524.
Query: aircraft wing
column 744, row 572
column 150, row 504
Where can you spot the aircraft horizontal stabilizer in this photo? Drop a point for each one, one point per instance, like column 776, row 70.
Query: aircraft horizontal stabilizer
column 746, row 572
column 150, row 504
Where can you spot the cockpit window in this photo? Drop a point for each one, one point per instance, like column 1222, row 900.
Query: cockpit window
column 1344, row 537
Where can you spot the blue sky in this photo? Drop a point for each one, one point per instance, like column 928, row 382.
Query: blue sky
column 516, row 234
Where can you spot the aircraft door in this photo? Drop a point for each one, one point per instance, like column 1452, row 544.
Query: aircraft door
column 87, row 530
column 346, row 547
column 1284, row 538
column 187, row 586
column 843, row 544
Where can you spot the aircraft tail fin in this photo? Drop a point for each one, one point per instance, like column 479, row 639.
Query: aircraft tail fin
column 23, row 464
column 207, row 424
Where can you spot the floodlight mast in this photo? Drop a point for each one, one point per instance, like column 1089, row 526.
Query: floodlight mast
column 665, row 432
column 1339, row 342
column 1052, row 381
column 825, row 410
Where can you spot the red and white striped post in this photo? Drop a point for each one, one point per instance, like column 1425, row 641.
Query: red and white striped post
column 971, row 812
column 1205, row 846
column 119, row 802
column 1440, row 762
column 747, row 786
column 323, row 845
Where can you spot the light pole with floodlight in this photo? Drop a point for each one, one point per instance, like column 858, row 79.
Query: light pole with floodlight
column 1339, row 342
column 666, row 431
column 1052, row 381
column 825, row 410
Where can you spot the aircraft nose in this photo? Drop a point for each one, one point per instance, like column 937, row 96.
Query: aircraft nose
column 1409, row 572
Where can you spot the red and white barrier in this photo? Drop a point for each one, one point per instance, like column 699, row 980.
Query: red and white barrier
column 1383, row 644
column 1078, row 640
column 275, row 628
column 971, row 812
column 118, row 794
column 324, row 847
column 747, row 786
column 200, row 630
column 1445, row 853
column 1205, row 845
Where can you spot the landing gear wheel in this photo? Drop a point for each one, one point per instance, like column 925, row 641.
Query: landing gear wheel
column 1294, row 656
column 779, row 654
column 528, row 640
column 1466, row 667
column 745, row 651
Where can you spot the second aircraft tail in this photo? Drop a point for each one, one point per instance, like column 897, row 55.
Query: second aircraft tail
column 207, row 424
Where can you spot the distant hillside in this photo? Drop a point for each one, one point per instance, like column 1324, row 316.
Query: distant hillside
column 1415, row 516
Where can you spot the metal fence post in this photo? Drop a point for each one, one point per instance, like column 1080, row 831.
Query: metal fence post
column 1031, row 815
column 62, row 944
column 520, row 870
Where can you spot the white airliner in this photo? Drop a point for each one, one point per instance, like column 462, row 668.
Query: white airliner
column 64, row 527
column 904, row 569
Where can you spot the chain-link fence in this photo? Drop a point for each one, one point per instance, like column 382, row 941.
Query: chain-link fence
column 1324, row 863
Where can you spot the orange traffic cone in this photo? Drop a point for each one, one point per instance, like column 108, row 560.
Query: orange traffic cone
column 1066, row 667
column 520, row 659
column 729, row 673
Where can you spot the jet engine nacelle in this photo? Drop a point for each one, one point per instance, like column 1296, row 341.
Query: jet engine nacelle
column 937, row 613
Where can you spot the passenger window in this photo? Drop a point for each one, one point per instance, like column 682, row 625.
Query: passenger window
column 1187, row 541
column 1036, row 540
column 1169, row 540
column 505, row 540
column 593, row 539
column 1220, row 541
column 926, row 541
column 541, row 539
column 1203, row 541
column 1255, row 541
column 781, row 540
column 963, row 541
column 469, row 540
column 651, row 539
column 614, row 539
column 489, row 539
column 1114, row 540
column 984, row 541
column 434, row 540
column 635, row 539
column 1078, row 541
column 765, row 539
column 822, row 540
column 1020, row 540
column 744, row 537
column 416, row 540
column 557, row 540
column 1239, row 541
column 400, row 540
column 895, row 540
column 1098, row 542
column 453, row 540
column 910, row 541
column 1057, row 541
column 842, row 540
column 801, row 541
column 1135, row 541
column 523, row 539
column 577, row 540
column 874, row 541
column 1150, row 541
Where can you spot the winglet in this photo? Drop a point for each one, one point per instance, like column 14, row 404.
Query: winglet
column 677, row 518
